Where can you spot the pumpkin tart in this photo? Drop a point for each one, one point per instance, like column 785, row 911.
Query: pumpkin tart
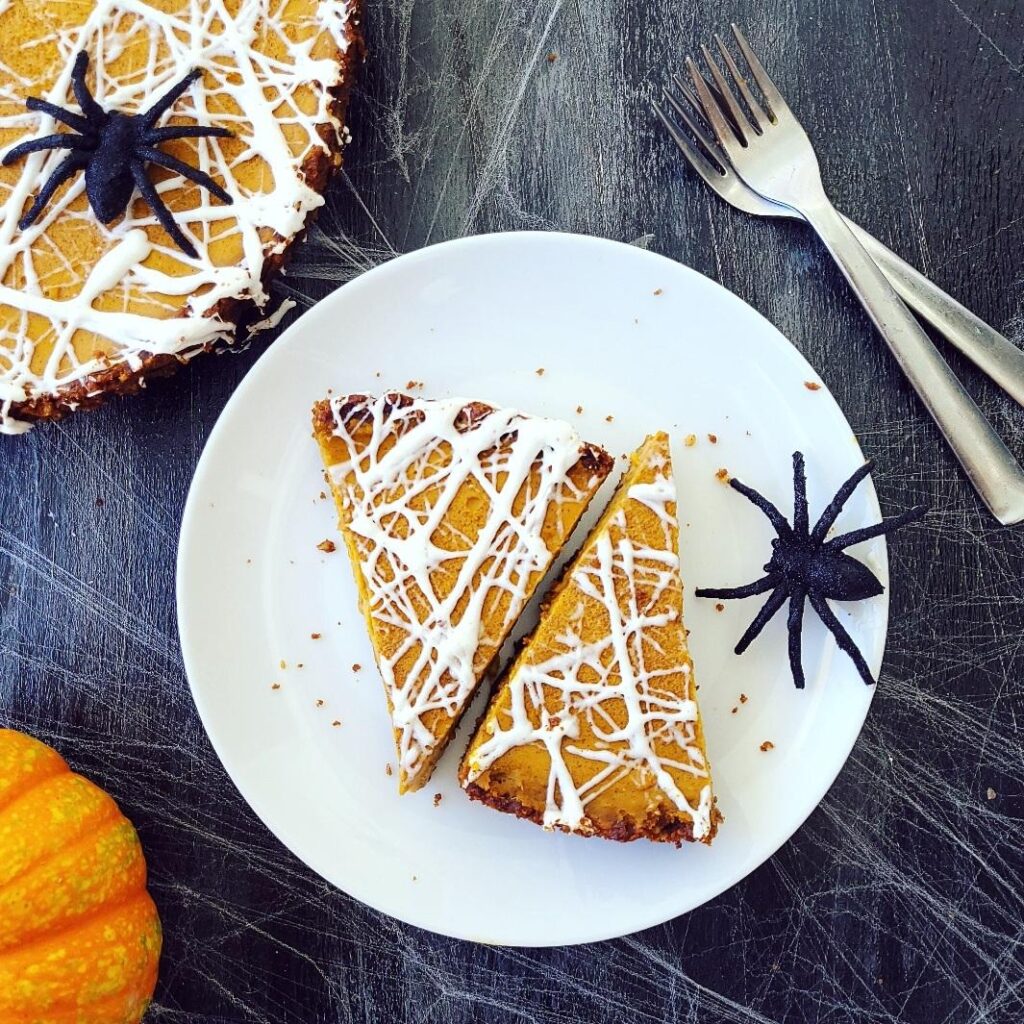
column 451, row 511
column 595, row 728
column 88, row 309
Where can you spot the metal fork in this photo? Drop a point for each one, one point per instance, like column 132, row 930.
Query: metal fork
column 771, row 152
column 983, row 345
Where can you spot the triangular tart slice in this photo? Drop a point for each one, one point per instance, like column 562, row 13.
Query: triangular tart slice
column 595, row 728
column 452, row 511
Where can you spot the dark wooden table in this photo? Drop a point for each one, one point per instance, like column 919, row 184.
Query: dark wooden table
column 902, row 898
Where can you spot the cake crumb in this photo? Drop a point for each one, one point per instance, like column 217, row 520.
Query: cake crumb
column 713, row 438
column 734, row 710
column 552, row 57
column 437, row 799
column 990, row 793
column 248, row 561
column 579, row 410
column 335, row 723
column 327, row 546
column 539, row 371
column 314, row 636
column 767, row 745
column 320, row 702
column 812, row 385
column 690, row 440
column 100, row 503
column 744, row 698
column 657, row 291
column 413, row 384
column 387, row 770
column 323, row 496
column 719, row 607
column 356, row 667
column 283, row 664
column 609, row 418
column 275, row 686
column 723, row 475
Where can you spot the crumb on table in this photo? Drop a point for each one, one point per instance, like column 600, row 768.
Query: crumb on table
column 387, row 770
column 335, row 723
column 690, row 440
column 282, row 664
column 356, row 667
column 437, row 799
column 812, row 385
column 719, row 607
column 767, row 745
column 990, row 793
column 579, row 410
column 744, row 698
column 327, row 546
column 713, row 438
column 552, row 57
column 609, row 418
column 314, row 636
column 723, row 475
column 539, row 371
column 275, row 686
column 320, row 702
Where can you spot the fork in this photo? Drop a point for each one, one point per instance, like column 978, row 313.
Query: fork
column 771, row 153
column 993, row 354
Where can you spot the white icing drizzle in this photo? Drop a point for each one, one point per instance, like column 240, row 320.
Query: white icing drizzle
column 504, row 451
column 591, row 681
column 223, row 39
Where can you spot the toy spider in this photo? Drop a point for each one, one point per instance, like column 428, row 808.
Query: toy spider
column 805, row 565
column 113, row 149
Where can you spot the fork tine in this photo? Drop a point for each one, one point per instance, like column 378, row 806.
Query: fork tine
column 713, row 112
column 741, row 123
column 759, row 116
column 776, row 104
column 712, row 147
column 698, row 162
column 689, row 95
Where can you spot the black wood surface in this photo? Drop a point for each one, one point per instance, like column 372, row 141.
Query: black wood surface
column 902, row 898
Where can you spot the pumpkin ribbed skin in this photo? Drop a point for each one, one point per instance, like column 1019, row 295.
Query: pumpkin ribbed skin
column 79, row 934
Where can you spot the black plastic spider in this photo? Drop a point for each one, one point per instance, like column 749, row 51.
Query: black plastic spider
column 805, row 565
column 114, row 148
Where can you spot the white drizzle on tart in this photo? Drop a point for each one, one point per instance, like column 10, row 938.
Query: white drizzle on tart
column 397, row 491
column 244, row 89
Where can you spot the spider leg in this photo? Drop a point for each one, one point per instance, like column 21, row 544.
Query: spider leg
column 775, row 517
column 68, row 117
column 795, row 625
column 68, row 166
column 758, row 587
column 799, row 495
column 155, row 136
column 843, row 639
column 159, row 207
column 835, row 506
column 169, row 98
column 846, row 540
column 185, row 170
column 62, row 140
column 85, row 98
column 775, row 601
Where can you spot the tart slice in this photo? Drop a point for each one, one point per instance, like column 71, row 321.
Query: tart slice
column 595, row 729
column 451, row 511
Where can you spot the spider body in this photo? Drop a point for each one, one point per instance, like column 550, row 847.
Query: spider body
column 804, row 566
column 113, row 149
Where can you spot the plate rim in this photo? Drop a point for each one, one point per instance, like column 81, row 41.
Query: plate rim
column 263, row 807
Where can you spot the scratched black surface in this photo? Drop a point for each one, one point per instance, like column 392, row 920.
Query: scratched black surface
column 901, row 898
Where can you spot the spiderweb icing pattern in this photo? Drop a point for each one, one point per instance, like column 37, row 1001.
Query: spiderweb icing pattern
column 77, row 297
column 595, row 706
column 445, row 587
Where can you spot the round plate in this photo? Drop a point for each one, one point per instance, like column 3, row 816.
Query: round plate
column 620, row 342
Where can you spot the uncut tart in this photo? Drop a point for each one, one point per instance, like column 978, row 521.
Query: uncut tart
column 88, row 310
column 452, row 511
column 595, row 728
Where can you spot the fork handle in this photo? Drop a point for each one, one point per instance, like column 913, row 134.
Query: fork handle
column 987, row 461
column 983, row 345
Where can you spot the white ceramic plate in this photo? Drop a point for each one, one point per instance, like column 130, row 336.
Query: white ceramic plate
column 640, row 343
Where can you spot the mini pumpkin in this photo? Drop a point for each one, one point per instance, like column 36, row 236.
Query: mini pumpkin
column 79, row 934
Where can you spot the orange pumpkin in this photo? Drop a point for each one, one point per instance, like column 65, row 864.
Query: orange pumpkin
column 79, row 934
